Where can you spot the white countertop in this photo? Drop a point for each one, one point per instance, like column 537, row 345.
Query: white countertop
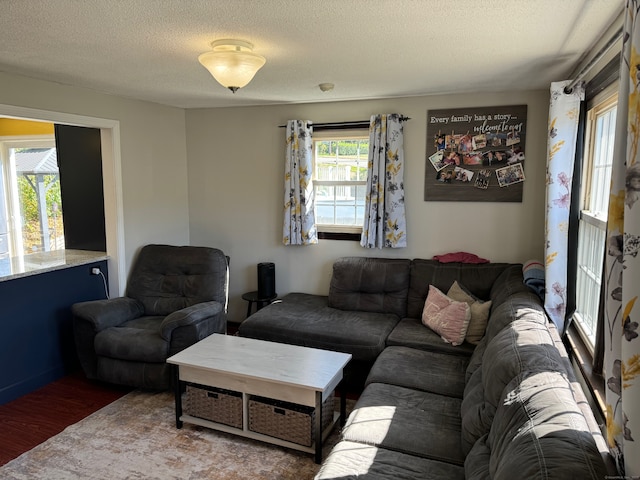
column 42, row 262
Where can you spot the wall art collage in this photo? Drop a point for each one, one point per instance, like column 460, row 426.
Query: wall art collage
column 475, row 154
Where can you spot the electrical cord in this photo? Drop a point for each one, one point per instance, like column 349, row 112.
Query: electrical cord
column 97, row 271
column 104, row 282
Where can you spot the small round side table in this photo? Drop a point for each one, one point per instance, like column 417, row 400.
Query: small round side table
column 253, row 297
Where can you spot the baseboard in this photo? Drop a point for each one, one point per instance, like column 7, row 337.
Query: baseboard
column 22, row 387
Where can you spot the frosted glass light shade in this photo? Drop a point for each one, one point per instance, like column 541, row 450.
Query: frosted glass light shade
column 232, row 63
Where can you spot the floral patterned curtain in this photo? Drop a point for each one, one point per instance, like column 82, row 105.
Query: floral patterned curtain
column 622, row 265
column 384, row 218
column 299, row 219
column 564, row 113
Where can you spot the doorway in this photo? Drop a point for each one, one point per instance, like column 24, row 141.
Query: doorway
column 111, row 178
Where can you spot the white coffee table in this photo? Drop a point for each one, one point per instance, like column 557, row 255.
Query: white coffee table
column 301, row 375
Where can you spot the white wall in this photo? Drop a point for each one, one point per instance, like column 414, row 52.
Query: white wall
column 152, row 154
column 236, row 167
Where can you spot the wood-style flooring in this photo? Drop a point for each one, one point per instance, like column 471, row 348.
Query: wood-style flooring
column 33, row 418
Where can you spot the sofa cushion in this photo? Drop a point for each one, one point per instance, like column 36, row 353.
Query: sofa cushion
column 407, row 421
column 523, row 346
column 410, row 332
column 475, row 361
column 446, row 317
column 138, row 340
column 479, row 312
column 520, row 306
column 307, row 320
column 539, row 432
column 420, row 370
column 478, row 279
column 476, row 414
column 476, row 463
column 370, row 285
column 351, row 461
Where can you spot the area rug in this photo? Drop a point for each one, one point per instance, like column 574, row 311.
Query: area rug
column 135, row 437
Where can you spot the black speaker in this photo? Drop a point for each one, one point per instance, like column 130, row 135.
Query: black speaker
column 266, row 280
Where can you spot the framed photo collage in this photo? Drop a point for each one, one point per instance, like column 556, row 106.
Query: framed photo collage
column 475, row 154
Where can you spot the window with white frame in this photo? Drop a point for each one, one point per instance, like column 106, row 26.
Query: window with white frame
column 340, row 180
column 599, row 141
column 30, row 200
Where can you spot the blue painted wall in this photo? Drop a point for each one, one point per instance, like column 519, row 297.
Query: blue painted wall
column 36, row 344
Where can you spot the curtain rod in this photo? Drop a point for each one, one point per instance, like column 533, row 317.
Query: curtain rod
column 345, row 125
column 603, row 51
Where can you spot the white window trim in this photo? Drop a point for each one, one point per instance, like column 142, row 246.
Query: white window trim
column 603, row 102
column 583, row 334
column 112, row 181
column 338, row 134
column 10, row 174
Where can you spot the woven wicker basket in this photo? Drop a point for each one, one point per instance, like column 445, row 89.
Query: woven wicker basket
column 214, row 404
column 287, row 421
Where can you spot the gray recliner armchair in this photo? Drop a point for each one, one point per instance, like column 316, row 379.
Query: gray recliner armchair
column 175, row 297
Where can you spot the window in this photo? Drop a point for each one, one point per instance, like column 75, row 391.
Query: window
column 340, row 180
column 600, row 133
column 30, row 200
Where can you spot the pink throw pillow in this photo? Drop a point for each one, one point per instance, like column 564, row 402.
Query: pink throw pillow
column 447, row 317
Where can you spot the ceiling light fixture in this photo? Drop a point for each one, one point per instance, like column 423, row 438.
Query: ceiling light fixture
column 232, row 63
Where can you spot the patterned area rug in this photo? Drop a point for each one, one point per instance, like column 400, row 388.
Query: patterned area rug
column 135, row 438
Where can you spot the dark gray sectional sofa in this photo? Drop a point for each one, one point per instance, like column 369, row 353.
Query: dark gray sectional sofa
column 507, row 408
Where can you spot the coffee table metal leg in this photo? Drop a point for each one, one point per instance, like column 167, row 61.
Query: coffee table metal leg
column 318, row 427
column 178, row 395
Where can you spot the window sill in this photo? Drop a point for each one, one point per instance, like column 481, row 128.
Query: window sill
column 579, row 352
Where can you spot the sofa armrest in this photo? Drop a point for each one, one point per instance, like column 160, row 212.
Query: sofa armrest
column 107, row 313
column 189, row 316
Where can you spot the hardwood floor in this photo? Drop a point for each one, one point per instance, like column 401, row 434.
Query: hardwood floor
column 33, row 418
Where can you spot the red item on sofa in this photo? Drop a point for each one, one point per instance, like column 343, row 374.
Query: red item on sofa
column 462, row 257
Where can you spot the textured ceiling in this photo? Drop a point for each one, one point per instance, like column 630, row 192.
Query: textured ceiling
column 148, row 49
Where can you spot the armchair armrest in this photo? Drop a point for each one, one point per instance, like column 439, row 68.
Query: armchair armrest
column 103, row 314
column 189, row 316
